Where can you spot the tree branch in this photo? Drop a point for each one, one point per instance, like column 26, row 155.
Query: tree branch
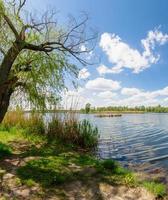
column 10, row 24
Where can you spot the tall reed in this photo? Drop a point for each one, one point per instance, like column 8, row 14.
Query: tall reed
column 33, row 122
column 69, row 129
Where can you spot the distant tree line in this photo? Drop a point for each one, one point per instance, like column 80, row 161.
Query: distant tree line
column 155, row 109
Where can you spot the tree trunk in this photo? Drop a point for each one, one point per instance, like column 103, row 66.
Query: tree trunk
column 5, row 83
column 4, row 102
column 8, row 61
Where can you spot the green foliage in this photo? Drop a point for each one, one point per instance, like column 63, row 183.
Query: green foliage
column 156, row 188
column 5, row 150
column 19, row 134
column 130, row 179
column 70, row 130
column 32, row 124
column 155, row 109
column 29, row 182
column 87, row 108
column 57, row 163
column 40, row 73
column 88, row 134
column 47, row 171
column 110, row 164
column 115, row 168
column 2, row 10
column 14, row 119
column 54, row 170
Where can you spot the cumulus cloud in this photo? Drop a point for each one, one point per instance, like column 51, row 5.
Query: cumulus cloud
column 123, row 56
column 102, row 69
column 102, row 84
column 83, row 73
column 101, row 92
column 107, row 95
column 130, row 91
column 140, row 97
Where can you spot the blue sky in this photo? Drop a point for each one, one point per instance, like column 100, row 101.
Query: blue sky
column 131, row 72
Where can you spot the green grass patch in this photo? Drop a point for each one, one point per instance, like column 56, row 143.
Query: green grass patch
column 157, row 189
column 5, row 150
column 46, row 171
column 61, row 162
column 11, row 134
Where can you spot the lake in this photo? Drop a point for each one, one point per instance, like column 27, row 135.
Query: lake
column 137, row 138
column 132, row 138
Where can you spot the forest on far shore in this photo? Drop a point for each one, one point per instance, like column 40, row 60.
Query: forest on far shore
column 155, row 109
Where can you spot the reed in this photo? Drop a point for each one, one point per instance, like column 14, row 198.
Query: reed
column 69, row 129
column 32, row 123
column 14, row 118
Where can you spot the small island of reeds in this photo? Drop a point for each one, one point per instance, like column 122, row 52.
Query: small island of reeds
column 108, row 115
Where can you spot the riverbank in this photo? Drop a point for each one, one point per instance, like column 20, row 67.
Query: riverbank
column 34, row 168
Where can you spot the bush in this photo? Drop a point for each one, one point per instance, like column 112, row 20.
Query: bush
column 110, row 164
column 70, row 130
column 88, row 134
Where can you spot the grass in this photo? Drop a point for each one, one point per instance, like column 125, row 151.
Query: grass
column 64, row 127
column 11, row 134
column 5, row 150
column 46, row 171
column 57, row 163
column 16, row 134
column 156, row 188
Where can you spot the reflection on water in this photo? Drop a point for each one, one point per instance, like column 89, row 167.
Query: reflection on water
column 136, row 138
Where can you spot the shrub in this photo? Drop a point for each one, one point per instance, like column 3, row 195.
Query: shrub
column 110, row 164
column 70, row 130
column 88, row 134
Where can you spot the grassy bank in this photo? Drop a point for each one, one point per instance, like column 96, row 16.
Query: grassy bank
column 40, row 164
column 50, row 166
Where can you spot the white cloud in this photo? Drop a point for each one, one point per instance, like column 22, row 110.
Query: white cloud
column 107, row 95
column 98, row 94
column 102, row 69
column 123, row 56
column 130, row 91
column 83, row 73
column 103, row 84
column 140, row 97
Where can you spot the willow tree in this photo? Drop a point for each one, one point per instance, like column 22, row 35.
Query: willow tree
column 36, row 53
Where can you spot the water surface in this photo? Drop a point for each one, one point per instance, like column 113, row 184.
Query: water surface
column 137, row 138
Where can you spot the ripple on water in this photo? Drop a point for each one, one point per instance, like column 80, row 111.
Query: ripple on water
column 135, row 138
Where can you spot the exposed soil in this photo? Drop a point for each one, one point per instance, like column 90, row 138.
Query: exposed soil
column 91, row 189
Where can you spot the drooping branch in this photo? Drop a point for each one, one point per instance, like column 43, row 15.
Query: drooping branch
column 12, row 27
column 36, row 52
